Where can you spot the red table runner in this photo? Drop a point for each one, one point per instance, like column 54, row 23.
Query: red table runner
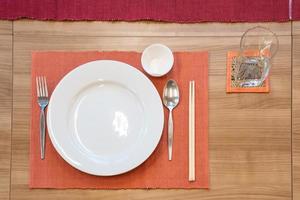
column 158, row 10
column 156, row 171
column 295, row 9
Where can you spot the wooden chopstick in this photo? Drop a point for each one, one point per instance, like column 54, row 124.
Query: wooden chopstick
column 192, row 131
column 190, row 128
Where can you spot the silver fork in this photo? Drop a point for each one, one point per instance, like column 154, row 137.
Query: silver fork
column 42, row 94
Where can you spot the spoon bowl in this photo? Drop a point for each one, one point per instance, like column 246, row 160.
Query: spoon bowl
column 171, row 94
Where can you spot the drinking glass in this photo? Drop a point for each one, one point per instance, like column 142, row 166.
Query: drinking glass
column 258, row 47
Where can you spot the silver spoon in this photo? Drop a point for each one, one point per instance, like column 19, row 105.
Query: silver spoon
column 170, row 100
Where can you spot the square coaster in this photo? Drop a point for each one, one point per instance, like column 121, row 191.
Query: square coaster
column 231, row 87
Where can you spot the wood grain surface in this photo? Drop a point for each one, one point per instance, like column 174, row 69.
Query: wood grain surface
column 249, row 134
column 296, row 28
column 5, row 106
column 6, row 27
column 94, row 28
column 296, row 110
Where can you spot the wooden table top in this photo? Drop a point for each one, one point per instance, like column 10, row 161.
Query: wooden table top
column 254, row 139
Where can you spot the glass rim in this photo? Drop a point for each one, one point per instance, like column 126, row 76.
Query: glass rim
column 263, row 28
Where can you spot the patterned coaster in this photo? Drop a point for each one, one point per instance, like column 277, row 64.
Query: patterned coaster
column 231, row 86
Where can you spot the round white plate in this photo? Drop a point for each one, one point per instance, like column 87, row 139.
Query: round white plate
column 105, row 118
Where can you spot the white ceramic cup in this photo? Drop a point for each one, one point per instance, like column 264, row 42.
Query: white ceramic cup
column 157, row 60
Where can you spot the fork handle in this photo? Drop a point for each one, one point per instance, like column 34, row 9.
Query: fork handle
column 42, row 133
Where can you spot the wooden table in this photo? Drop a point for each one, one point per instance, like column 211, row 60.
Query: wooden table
column 254, row 139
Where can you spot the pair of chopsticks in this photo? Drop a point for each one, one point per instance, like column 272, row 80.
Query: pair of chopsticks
column 192, row 131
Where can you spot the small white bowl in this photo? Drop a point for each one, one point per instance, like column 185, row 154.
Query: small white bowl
column 157, row 60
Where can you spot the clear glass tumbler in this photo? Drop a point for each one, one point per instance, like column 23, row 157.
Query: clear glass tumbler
column 258, row 46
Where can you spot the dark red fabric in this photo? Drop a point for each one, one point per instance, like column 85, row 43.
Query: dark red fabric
column 296, row 10
column 159, row 10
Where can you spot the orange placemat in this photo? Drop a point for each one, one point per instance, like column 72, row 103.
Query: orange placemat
column 155, row 172
column 231, row 64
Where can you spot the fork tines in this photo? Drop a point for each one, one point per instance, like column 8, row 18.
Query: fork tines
column 41, row 88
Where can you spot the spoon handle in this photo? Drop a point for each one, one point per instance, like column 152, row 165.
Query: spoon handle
column 170, row 135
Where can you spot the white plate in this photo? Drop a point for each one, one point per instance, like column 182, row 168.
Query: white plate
column 105, row 118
